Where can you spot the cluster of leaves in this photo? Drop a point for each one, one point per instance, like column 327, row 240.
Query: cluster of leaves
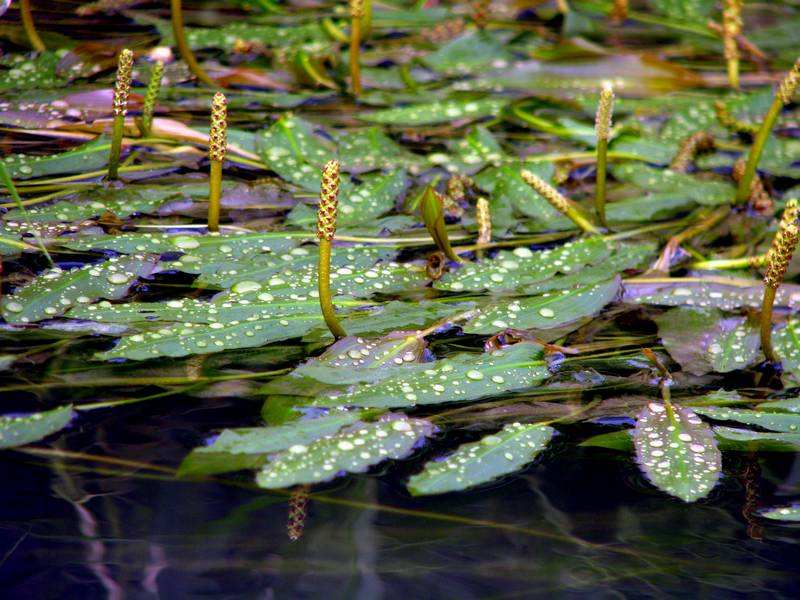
column 539, row 312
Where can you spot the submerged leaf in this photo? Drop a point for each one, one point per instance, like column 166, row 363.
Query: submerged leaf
column 24, row 429
column 677, row 451
column 491, row 457
column 353, row 450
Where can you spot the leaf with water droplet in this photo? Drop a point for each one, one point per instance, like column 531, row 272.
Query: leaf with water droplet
column 352, row 450
column 87, row 157
column 442, row 111
column 785, row 422
column 704, row 340
column 786, row 341
column 24, row 429
column 676, row 451
column 725, row 293
column 705, row 192
column 547, row 311
column 476, row 150
column 371, row 149
column 789, row 405
column 746, row 435
column 783, row 513
column 53, row 292
column 475, row 463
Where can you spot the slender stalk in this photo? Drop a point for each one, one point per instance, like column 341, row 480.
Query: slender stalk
column 603, row 128
column 484, row 218
column 783, row 96
column 778, row 257
column 731, row 29
column 356, row 12
column 559, row 201
column 5, row 176
column 326, row 230
column 30, row 28
column 176, row 11
column 120, row 109
column 743, row 262
column 217, row 147
column 150, row 97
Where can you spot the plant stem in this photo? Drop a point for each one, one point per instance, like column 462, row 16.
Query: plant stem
column 30, row 29
column 600, row 183
column 730, row 263
column 179, row 34
column 356, row 12
column 116, row 147
column 214, row 195
column 766, row 323
column 217, row 148
column 326, row 230
column 5, row 176
column 324, row 286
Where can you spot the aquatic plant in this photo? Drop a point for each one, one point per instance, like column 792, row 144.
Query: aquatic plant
column 122, row 90
column 356, row 15
column 30, row 27
column 605, row 109
column 150, row 98
column 326, row 230
column 558, row 201
column 178, row 32
column 217, row 148
column 731, row 29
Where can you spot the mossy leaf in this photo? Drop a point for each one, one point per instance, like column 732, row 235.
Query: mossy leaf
column 475, row 463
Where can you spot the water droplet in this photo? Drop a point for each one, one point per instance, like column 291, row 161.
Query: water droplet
column 245, row 286
column 547, row 312
column 476, row 375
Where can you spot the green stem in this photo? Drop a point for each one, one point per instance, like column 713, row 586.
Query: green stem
column 355, row 59
column 30, row 29
column 334, row 31
column 179, row 34
column 9, row 183
column 746, row 182
column 324, row 286
column 116, row 147
column 730, row 263
column 214, row 195
column 600, row 194
column 766, row 323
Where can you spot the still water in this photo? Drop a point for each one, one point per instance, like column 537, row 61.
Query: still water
column 579, row 523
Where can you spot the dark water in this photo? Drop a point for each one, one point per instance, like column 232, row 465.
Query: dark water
column 577, row 524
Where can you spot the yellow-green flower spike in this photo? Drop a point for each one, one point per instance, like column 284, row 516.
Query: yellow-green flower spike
column 326, row 229
column 484, row 218
column 788, row 86
column 558, row 201
column 731, row 29
column 122, row 90
column 217, row 147
column 699, row 141
column 602, row 126
column 605, row 110
column 150, row 98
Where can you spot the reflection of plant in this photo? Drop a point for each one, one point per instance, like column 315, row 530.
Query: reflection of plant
column 217, row 147
column 121, row 92
column 326, row 229
column 778, row 258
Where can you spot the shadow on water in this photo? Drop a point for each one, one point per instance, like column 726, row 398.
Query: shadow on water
column 578, row 524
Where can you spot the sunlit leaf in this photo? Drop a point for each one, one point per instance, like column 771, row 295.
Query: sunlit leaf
column 676, row 451
column 726, row 293
column 24, row 429
column 294, row 151
column 352, row 450
column 475, row 463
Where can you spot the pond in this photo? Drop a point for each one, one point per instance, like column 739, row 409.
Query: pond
column 400, row 299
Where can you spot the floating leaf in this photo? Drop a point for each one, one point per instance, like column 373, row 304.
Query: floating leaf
column 787, row 423
column 491, row 457
column 786, row 341
column 676, row 451
column 88, row 157
column 468, row 53
column 726, row 293
column 294, row 151
column 445, row 111
column 783, row 513
column 352, row 450
column 681, row 185
column 24, row 73
column 704, row 340
column 474, row 151
column 371, row 149
column 24, row 429
column 458, row 378
column 790, row 405
column 550, row 310
column 746, row 435
column 53, row 292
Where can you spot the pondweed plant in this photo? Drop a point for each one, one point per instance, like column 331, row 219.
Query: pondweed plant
column 179, row 33
column 217, row 148
column 326, row 230
column 731, row 29
column 30, row 27
column 783, row 96
column 777, row 261
column 150, row 98
column 699, row 141
column 122, row 90
column 558, row 201
column 432, row 208
column 605, row 110
column 356, row 16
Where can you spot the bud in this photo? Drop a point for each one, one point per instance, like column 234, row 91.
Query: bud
column 484, row 218
column 298, row 505
column 356, row 8
column 123, row 86
column 547, row 191
column 328, row 201
column 783, row 245
column 760, row 200
column 218, row 137
column 602, row 123
column 789, row 83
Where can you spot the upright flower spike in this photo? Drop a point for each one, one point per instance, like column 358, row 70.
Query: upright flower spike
column 356, row 13
column 176, row 12
column 298, row 511
column 699, row 141
column 120, row 108
column 484, row 218
column 558, row 201
column 150, row 97
column 778, row 257
column 783, row 96
column 605, row 110
column 217, row 147
column 28, row 25
column 326, row 229
column 731, row 30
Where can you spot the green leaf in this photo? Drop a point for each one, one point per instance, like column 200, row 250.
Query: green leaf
column 682, row 185
column 786, row 342
column 704, row 340
column 474, row 151
column 521, row 267
column 790, row 405
column 459, row 378
column 787, row 423
column 685, row 10
column 54, row 291
column 491, row 457
column 88, row 157
column 432, row 206
column 677, row 451
column 746, row 435
column 353, row 450
column 370, row 149
column 445, row 111
column 24, row 429
column 294, row 151
column 783, row 513
column 244, row 448
column 725, row 293
column 468, row 53
column 24, row 73
column 548, row 311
